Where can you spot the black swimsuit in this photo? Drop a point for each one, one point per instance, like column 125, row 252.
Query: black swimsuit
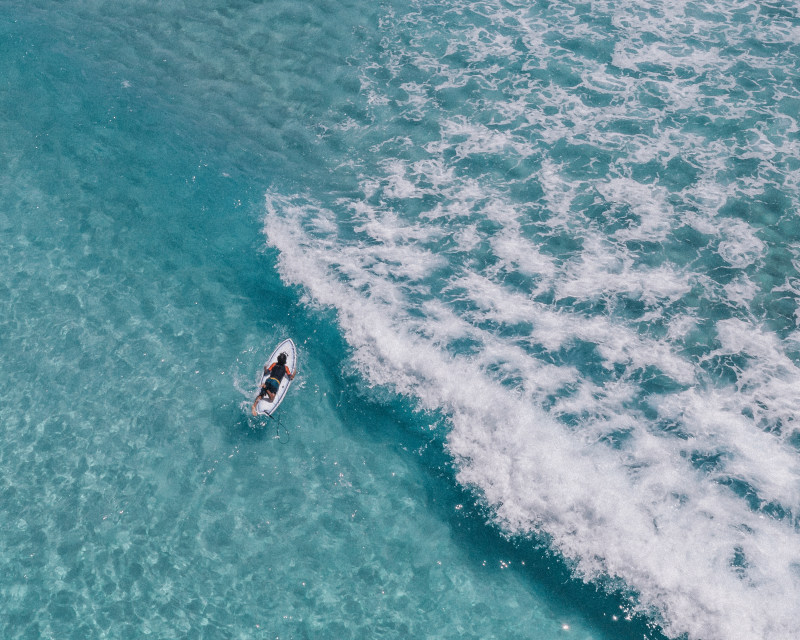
column 276, row 373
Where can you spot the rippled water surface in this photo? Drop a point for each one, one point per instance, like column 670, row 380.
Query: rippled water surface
column 541, row 264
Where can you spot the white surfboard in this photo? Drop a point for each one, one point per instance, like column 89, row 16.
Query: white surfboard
column 264, row 407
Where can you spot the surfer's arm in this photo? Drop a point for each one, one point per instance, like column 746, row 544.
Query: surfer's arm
column 290, row 373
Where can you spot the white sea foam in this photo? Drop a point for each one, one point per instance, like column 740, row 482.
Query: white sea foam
column 741, row 247
column 563, row 258
column 635, row 507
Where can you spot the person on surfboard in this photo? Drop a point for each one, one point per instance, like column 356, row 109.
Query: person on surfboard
column 274, row 373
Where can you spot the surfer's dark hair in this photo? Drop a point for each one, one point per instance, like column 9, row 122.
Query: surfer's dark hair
column 282, row 358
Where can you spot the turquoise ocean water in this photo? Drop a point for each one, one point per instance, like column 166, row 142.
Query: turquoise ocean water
column 541, row 261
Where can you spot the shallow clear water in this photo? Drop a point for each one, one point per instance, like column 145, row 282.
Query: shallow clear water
column 583, row 213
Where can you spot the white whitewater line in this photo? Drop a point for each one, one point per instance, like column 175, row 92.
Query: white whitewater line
column 624, row 514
